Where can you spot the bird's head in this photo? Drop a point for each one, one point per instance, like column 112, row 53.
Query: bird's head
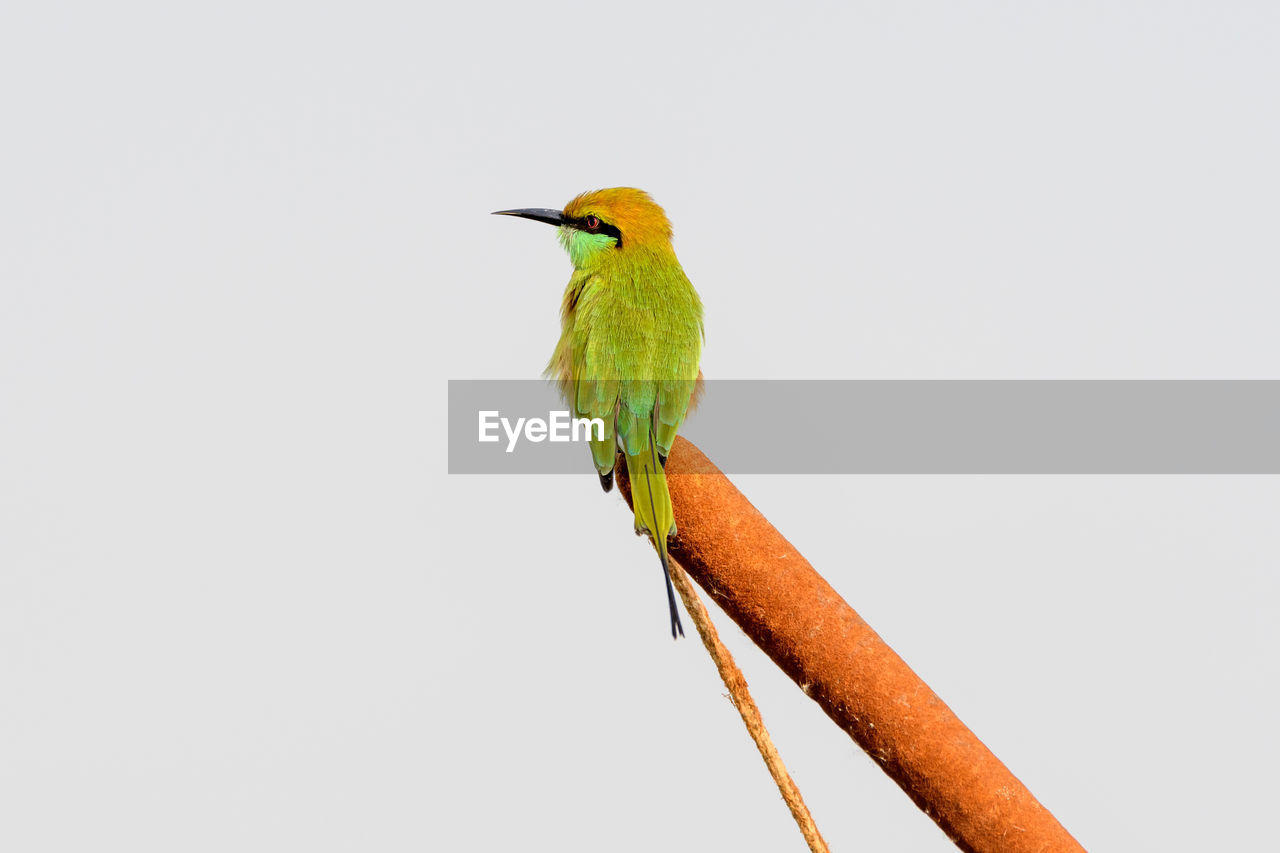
column 597, row 225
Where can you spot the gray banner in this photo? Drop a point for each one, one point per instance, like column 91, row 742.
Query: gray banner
column 904, row 427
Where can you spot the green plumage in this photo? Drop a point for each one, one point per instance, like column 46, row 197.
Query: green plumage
column 630, row 344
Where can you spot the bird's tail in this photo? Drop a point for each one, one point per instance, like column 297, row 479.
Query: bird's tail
column 652, row 503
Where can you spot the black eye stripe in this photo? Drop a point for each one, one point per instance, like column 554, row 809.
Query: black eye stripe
column 601, row 228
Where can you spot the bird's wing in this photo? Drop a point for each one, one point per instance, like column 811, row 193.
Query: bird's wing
column 595, row 395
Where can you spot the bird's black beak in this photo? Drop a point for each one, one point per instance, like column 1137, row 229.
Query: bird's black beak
column 541, row 214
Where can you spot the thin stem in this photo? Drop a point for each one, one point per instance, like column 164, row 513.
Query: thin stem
column 741, row 696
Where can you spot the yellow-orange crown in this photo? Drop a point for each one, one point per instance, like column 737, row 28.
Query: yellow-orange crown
column 639, row 218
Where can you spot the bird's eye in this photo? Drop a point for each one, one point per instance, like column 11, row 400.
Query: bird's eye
column 593, row 223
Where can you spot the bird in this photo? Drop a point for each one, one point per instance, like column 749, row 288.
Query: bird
column 631, row 336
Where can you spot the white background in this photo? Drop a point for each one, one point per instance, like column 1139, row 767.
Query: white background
column 244, row 607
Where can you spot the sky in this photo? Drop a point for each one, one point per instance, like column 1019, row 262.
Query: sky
column 242, row 602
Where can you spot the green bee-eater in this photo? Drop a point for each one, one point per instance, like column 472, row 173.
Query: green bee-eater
column 630, row 342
